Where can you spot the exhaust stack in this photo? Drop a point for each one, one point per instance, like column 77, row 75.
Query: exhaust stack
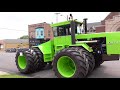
column 85, row 25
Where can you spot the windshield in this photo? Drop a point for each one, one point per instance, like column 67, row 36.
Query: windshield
column 62, row 30
column 66, row 30
column 79, row 29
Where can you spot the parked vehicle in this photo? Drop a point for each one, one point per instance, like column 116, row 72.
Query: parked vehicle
column 22, row 49
column 11, row 50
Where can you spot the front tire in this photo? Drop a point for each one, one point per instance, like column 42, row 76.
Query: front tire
column 30, row 61
column 25, row 62
column 70, row 63
column 39, row 61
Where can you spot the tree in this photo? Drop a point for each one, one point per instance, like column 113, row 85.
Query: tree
column 24, row 37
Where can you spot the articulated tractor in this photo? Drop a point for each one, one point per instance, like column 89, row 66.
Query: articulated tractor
column 73, row 52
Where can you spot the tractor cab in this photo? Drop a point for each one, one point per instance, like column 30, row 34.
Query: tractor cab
column 64, row 28
column 70, row 27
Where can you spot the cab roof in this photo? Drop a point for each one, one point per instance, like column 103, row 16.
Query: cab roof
column 63, row 23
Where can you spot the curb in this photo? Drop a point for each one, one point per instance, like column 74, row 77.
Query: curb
column 4, row 73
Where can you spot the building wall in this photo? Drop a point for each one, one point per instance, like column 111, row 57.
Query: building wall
column 112, row 25
column 31, row 29
column 100, row 29
column 7, row 45
column 110, row 16
column 15, row 45
column 47, row 29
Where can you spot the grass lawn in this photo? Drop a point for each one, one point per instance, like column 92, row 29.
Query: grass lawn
column 12, row 76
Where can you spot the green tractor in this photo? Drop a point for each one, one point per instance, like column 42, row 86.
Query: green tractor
column 73, row 53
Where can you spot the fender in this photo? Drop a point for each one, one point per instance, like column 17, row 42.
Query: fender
column 47, row 50
column 84, row 45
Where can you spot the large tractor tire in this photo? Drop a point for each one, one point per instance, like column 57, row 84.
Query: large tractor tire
column 30, row 62
column 90, row 57
column 70, row 63
column 25, row 62
column 39, row 61
column 98, row 60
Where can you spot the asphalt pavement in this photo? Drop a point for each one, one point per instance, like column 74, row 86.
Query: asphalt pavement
column 109, row 69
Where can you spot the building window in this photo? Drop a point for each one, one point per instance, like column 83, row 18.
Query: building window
column 49, row 33
column 37, row 33
column 41, row 33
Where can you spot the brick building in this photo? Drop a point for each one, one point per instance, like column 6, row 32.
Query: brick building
column 39, row 32
column 110, row 24
column 44, row 28
column 14, row 43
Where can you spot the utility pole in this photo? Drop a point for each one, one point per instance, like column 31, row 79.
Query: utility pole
column 57, row 16
column 65, row 17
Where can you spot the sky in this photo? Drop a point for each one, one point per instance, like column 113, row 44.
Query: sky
column 15, row 24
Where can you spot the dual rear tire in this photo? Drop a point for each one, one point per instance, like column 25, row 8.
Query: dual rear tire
column 29, row 62
column 74, row 62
